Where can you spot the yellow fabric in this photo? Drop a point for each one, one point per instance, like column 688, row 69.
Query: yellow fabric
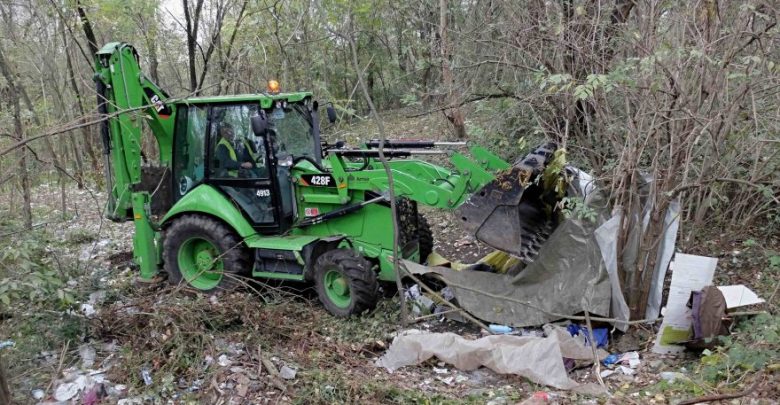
column 501, row 261
column 232, row 152
column 249, row 150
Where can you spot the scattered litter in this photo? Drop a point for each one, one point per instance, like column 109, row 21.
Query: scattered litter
column 461, row 378
column 600, row 334
column 626, row 362
column 131, row 401
column 446, row 380
column 207, row 361
column 606, row 373
column 97, row 297
column 627, row 370
column 440, row 370
column 671, row 376
column 421, row 304
column 88, row 310
column 93, row 395
column 38, row 393
column 739, row 296
column 611, row 359
column 632, row 358
column 223, row 361
column 287, row 373
column 87, row 354
column 538, row 359
column 538, row 398
column 447, row 293
column 7, row 343
column 500, row 329
column 66, row 391
column 117, row 390
column 147, row 376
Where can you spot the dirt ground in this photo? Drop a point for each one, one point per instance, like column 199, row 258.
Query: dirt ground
column 136, row 343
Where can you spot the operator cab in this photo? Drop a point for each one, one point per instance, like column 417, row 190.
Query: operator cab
column 214, row 143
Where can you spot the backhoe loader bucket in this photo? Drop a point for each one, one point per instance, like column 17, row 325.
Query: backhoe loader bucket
column 509, row 213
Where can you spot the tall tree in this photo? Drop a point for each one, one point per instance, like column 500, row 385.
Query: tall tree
column 192, row 20
column 453, row 97
column 24, row 174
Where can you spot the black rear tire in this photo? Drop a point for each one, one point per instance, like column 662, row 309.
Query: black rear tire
column 346, row 283
column 227, row 249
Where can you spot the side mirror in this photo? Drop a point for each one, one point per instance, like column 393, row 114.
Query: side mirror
column 259, row 124
column 331, row 114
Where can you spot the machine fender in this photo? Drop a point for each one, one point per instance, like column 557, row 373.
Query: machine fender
column 206, row 199
column 313, row 250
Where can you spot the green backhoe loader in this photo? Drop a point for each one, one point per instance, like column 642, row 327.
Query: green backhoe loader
column 246, row 188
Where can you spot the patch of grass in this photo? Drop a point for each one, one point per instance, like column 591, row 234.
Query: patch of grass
column 336, row 387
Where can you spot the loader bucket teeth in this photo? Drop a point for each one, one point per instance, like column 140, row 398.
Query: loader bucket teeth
column 509, row 213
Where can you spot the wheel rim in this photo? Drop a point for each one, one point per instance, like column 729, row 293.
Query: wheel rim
column 337, row 288
column 200, row 264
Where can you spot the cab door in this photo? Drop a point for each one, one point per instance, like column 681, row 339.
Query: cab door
column 238, row 163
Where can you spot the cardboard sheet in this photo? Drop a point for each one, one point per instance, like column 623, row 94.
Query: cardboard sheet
column 689, row 273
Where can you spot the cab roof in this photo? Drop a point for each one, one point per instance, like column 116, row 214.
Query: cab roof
column 266, row 100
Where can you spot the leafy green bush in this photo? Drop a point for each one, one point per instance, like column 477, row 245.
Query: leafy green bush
column 30, row 273
column 752, row 347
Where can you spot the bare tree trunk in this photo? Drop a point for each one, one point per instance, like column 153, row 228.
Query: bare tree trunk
column 19, row 135
column 5, row 392
column 192, row 21
column 454, row 114
column 87, row 26
column 86, row 132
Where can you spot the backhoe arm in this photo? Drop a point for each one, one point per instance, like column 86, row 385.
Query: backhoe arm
column 417, row 180
column 127, row 99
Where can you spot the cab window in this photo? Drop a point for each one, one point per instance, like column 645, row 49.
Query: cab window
column 235, row 151
column 188, row 153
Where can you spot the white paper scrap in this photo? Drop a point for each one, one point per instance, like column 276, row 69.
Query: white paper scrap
column 739, row 296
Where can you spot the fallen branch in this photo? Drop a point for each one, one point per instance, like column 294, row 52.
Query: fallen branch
column 592, row 340
column 429, row 316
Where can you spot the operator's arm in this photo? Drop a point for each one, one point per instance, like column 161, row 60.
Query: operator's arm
column 223, row 157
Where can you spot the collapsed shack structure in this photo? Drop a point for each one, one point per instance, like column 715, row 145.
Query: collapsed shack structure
column 576, row 269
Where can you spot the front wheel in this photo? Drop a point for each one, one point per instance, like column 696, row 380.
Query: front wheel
column 205, row 253
column 346, row 284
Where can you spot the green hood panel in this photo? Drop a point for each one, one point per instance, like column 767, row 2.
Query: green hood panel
column 206, row 199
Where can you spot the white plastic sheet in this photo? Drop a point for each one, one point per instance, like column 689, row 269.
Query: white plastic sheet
column 606, row 236
column 665, row 252
column 538, row 359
